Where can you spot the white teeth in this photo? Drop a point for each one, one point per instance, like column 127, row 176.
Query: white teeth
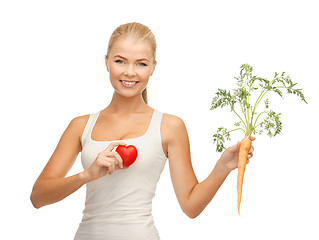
column 129, row 83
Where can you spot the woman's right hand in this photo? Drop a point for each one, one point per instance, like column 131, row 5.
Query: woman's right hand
column 105, row 163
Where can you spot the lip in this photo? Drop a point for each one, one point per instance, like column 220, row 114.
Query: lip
column 128, row 85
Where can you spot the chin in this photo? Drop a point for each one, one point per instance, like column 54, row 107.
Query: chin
column 128, row 94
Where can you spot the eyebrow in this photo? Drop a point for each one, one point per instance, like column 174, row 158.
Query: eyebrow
column 141, row 59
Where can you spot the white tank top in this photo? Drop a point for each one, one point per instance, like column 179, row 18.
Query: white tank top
column 119, row 206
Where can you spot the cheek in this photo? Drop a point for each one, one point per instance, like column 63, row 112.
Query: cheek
column 145, row 74
column 115, row 71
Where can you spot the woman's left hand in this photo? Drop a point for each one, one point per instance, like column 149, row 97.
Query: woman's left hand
column 229, row 158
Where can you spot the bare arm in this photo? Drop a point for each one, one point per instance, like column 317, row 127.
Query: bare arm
column 205, row 191
column 52, row 186
column 193, row 196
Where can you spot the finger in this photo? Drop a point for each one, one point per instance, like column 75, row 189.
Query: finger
column 252, row 138
column 104, row 162
column 125, row 167
column 116, row 157
column 251, row 149
column 107, row 171
column 110, row 165
column 112, row 145
column 238, row 145
column 111, row 170
column 233, row 149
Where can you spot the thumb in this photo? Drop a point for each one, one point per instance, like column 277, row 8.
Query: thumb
column 237, row 146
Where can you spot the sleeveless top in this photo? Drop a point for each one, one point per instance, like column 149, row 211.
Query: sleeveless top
column 119, row 206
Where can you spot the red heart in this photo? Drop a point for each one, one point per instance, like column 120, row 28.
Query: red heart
column 127, row 153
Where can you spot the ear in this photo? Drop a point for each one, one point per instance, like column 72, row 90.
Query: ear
column 153, row 68
column 106, row 63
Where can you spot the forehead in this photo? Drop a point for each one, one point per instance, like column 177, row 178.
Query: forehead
column 132, row 48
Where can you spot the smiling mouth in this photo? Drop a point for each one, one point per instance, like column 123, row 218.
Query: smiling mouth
column 128, row 83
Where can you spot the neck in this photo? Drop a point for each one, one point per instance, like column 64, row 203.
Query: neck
column 125, row 105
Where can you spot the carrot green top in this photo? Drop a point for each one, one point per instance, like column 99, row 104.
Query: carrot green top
column 240, row 102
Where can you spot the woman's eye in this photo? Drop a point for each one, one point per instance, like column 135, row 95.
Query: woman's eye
column 119, row 61
column 142, row 64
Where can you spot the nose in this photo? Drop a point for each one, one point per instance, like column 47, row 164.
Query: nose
column 130, row 70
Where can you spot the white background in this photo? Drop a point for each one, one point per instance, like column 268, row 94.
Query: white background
column 52, row 70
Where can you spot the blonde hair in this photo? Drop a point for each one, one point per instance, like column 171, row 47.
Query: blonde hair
column 139, row 31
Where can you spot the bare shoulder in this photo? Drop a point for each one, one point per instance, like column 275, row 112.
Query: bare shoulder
column 80, row 121
column 172, row 125
column 174, row 135
column 78, row 124
column 172, row 121
column 66, row 150
column 74, row 131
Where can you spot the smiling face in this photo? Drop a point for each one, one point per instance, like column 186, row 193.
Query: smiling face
column 130, row 63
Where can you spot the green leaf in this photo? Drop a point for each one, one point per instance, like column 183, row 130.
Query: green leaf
column 237, row 124
column 272, row 123
column 220, row 136
column 250, row 117
column 267, row 103
column 222, row 98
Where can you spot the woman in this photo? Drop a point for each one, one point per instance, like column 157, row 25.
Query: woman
column 119, row 199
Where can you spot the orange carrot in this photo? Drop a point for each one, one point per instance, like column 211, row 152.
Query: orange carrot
column 250, row 121
column 245, row 146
